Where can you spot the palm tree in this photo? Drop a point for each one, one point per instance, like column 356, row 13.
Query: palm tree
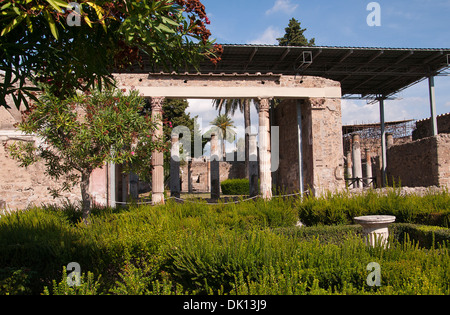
column 230, row 106
column 226, row 125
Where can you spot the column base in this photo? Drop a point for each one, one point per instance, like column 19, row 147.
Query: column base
column 158, row 199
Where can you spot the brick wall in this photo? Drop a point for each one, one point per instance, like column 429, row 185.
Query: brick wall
column 423, row 127
column 322, row 149
column 443, row 145
column 200, row 176
column 22, row 187
column 421, row 163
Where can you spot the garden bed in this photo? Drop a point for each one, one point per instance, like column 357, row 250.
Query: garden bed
column 249, row 248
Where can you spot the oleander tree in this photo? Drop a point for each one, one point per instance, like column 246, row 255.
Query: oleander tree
column 77, row 47
column 81, row 133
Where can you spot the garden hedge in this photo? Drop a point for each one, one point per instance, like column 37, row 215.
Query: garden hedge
column 235, row 187
column 248, row 248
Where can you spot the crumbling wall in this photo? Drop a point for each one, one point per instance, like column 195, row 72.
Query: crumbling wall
column 423, row 127
column 200, row 174
column 327, row 148
column 443, row 146
column 322, row 148
column 22, row 187
column 420, row 163
column 287, row 177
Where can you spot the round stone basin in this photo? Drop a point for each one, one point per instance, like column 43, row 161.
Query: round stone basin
column 375, row 228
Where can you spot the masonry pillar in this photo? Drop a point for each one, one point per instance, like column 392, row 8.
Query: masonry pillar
column 215, row 167
column 264, row 149
column 389, row 140
column 368, row 168
column 356, row 155
column 175, row 167
column 253, row 165
column 157, row 157
column 134, row 186
column 349, row 166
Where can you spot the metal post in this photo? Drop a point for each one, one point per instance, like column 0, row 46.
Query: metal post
column 383, row 143
column 433, row 106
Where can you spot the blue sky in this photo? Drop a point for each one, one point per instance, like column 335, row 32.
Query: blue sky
column 410, row 24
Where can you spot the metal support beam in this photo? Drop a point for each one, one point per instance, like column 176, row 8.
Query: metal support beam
column 383, row 142
column 434, row 126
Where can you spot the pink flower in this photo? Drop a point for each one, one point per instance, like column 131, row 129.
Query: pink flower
column 133, row 153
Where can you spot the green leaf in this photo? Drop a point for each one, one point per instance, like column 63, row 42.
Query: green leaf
column 170, row 21
column 165, row 28
column 52, row 24
column 13, row 24
column 5, row 6
column 55, row 5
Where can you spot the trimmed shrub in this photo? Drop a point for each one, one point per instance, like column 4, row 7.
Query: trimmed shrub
column 426, row 236
column 341, row 208
column 235, row 187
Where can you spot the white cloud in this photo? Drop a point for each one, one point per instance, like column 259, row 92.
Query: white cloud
column 359, row 112
column 284, row 6
column 268, row 37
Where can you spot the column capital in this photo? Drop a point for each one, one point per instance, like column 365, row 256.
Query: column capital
column 157, row 103
column 264, row 103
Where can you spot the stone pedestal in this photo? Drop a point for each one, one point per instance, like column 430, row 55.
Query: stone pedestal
column 375, row 228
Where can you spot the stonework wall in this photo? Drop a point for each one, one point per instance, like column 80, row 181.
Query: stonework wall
column 287, row 177
column 421, row 163
column 199, row 172
column 22, row 187
column 326, row 140
column 443, row 146
column 423, row 127
column 323, row 162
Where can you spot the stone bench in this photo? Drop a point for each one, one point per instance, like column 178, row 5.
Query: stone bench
column 375, row 228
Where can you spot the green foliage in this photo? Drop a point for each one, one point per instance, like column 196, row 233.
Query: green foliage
column 14, row 282
column 194, row 248
column 37, row 44
column 430, row 209
column 294, row 35
column 235, row 187
column 82, row 133
column 88, row 286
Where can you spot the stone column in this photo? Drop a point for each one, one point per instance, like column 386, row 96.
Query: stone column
column 134, row 186
column 253, row 165
column 175, row 167
column 357, row 166
column 349, row 166
column 389, row 140
column 368, row 168
column 157, row 157
column 215, row 167
column 264, row 149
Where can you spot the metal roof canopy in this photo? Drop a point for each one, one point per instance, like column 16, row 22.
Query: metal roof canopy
column 367, row 73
